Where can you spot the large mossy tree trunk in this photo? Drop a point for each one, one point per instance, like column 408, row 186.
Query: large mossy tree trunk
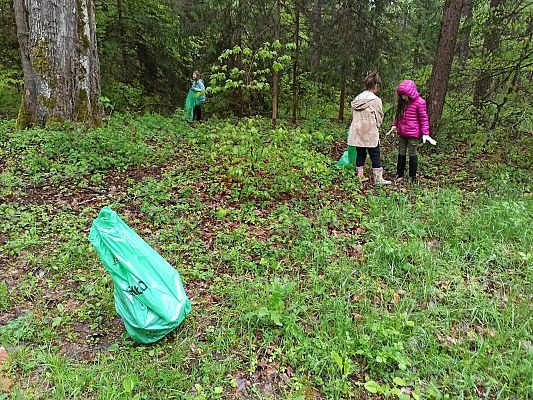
column 57, row 40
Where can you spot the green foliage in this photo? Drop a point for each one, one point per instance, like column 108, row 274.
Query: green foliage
column 246, row 73
column 148, row 49
column 10, row 64
column 491, row 88
column 10, row 95
column 144, row 56
column 273, row 312
column 73, row 152
column 127, row 96
column 405, row 292
column 4, row 296
column 244, row 153
column 20, row 329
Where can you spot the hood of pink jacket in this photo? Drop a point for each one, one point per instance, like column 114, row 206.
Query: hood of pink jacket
column 408, row 87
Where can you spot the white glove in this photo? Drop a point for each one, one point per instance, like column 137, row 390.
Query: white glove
column 427, row 138
column 393, row 129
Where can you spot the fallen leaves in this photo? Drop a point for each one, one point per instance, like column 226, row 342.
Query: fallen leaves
column 6, row 384
column 397, row 296
column 461, row 333
column 442, row 284
column 447, row 341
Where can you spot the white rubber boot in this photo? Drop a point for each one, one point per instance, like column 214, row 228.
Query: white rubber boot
column 378, row 177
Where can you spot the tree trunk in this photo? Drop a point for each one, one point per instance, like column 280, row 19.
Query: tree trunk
column 463, row 47
column 316, row 33
column 342, row 98
column 442, row 64
column 275, row 75
column 60, row 62
column 515, row 82
column 491, row 41
column 295, row 95
column 121, row 37
column 238, row 94
column 275, row 89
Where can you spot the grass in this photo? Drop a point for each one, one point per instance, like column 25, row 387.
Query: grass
column 304, row 283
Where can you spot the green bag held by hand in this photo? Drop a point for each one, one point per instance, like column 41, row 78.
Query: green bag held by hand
column 348, row 157
column 193, row 99
column 149, row 295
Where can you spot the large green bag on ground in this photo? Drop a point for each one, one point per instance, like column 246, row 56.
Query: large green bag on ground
column 193, row 99
column 149, row 295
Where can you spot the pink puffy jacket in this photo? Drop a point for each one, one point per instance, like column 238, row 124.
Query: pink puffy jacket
column 414, row 122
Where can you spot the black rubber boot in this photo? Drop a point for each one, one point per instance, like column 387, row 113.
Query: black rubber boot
column 400, row 166
column 413, row 165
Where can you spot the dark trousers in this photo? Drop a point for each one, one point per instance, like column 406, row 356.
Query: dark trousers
column 373, row 152
column 197, row 113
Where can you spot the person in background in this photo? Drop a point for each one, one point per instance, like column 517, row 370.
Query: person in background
column 198, row 86
column 412, row 125
column 367, row 116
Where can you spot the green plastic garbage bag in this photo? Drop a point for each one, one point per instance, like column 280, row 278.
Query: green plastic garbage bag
column 193, row 99
column 348, row 158
column 149, row 295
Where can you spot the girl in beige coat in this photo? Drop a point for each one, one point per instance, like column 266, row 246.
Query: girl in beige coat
column 367, row 116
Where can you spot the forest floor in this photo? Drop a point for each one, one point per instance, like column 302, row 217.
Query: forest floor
column 304, row 283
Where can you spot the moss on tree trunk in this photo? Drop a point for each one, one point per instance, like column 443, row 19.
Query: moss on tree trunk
column 60, row 62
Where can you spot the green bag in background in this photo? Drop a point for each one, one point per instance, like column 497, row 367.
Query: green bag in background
column 149, row 295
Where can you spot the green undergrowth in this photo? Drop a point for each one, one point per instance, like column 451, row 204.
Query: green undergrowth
column 304, row 283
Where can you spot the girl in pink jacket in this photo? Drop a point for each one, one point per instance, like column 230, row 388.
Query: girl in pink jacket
column 412, row 125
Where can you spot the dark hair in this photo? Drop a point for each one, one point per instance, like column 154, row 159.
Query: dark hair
column 372, row 80
column 400, row 109
column 197, row 74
